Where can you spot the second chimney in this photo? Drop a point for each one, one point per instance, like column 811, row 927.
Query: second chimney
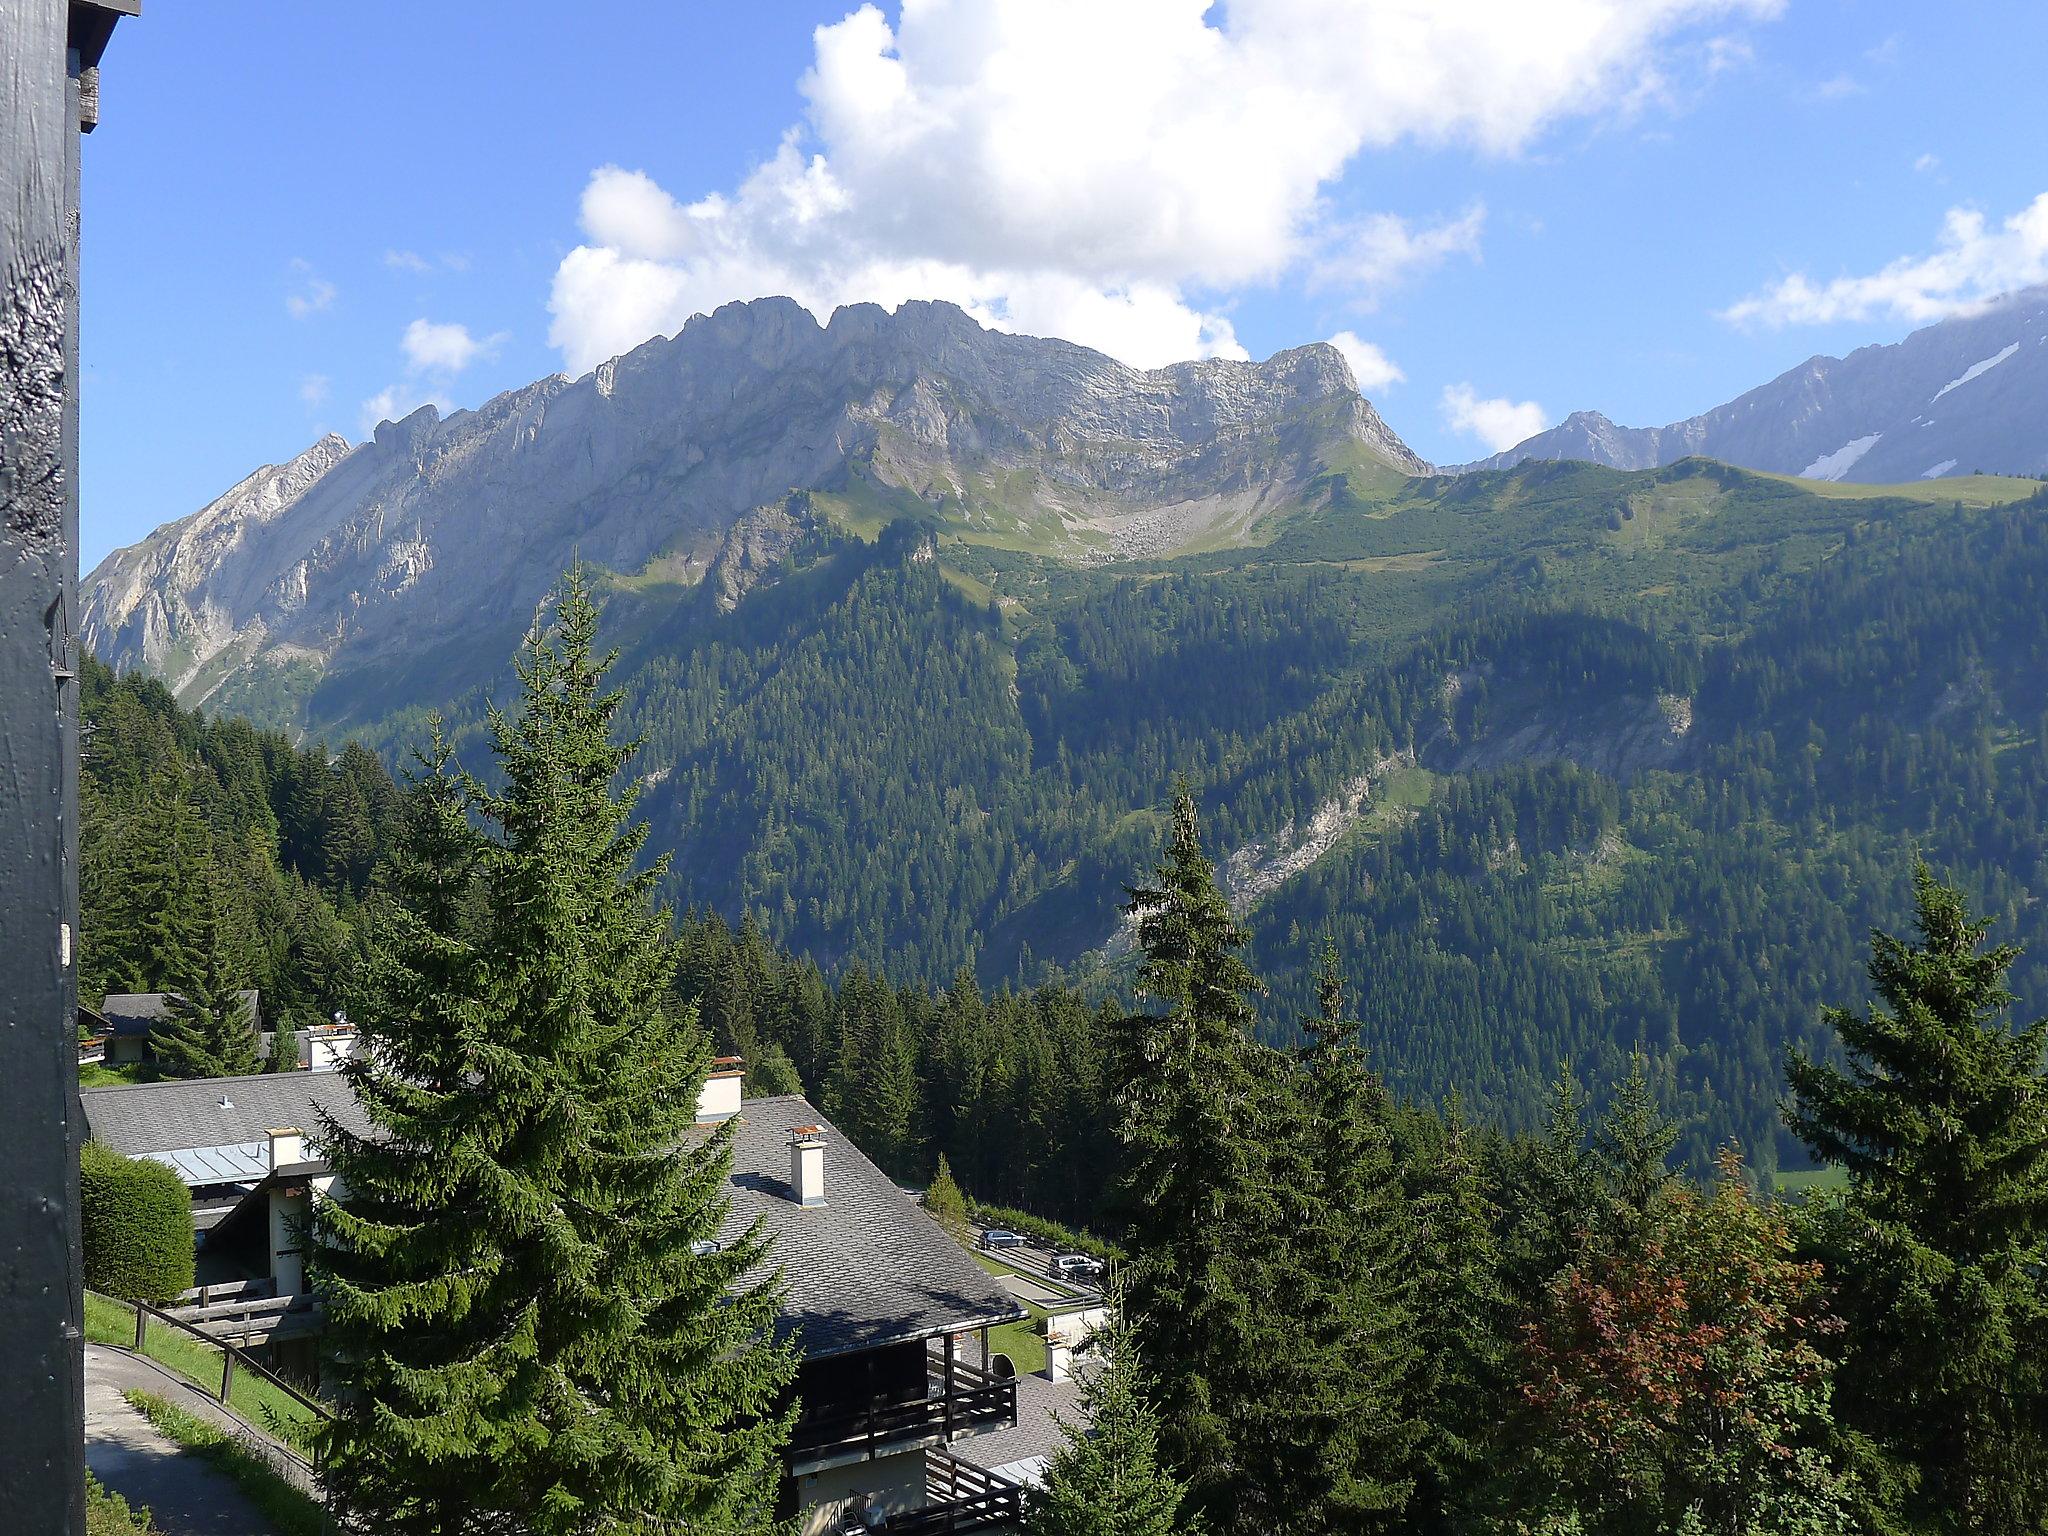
column 807, row 1164
column 286, row 1146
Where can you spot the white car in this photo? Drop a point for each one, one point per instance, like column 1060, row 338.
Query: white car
column 1074, row 1266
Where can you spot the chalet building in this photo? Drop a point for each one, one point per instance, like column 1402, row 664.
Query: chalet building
column 890, row 1314
column 119, row 1032
column 240, row 1145
column 130, row 1018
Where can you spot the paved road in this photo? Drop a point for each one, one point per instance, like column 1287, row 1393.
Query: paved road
column 186, row 1495
column 1037, row 1292
column 1033, row 1261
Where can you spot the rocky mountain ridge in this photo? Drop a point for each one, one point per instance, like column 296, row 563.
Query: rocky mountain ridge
column 1954, row 398
column 446, row 532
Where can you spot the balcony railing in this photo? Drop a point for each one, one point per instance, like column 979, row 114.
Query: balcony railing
column 964, row 1402
column 960, row 1497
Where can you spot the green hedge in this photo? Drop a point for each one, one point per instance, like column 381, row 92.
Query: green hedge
column 136, row 1220
column 1048, row 1234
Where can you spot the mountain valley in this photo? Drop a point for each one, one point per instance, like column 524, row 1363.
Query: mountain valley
column 919, row 623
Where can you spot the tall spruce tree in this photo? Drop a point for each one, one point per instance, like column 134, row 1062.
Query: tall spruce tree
column 1342, row 1455
column 1462, row 1325
column 206, row 1029
column 1107, row 1479
column 152, row 912
column 524, row 1333
column 1558, row 1195
column 1940, row 1244
column 1632, row 1156
column 1189, row 1103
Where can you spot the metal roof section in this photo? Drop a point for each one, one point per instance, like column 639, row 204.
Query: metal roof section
column 242, row 1162
column 138, row 1119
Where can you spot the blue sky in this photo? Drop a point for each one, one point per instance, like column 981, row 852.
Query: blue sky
column 301, row 217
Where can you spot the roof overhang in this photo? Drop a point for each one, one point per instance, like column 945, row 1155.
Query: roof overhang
column 1016, row 1314
column 92, row 26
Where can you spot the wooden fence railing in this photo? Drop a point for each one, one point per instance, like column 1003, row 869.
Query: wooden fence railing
column 960, row 1497
column 232, row 1358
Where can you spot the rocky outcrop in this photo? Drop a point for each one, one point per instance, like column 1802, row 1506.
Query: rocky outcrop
column 444, row 531
column 1621, row 735
column 1255, row 871
column 754, row 548
column 182, row 596
column 1959, row 396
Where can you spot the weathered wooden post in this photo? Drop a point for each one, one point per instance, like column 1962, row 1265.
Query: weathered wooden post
column 49, row 93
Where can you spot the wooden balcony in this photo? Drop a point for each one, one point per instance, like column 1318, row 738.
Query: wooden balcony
column 962, row 1497
column 958, row 1400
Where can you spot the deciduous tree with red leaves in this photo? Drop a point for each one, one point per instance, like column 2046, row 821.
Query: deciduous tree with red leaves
column 1675, row 1381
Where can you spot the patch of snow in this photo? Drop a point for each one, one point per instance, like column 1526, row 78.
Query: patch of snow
column 1833, row 466
column 1939, row 470
column 1975, row 371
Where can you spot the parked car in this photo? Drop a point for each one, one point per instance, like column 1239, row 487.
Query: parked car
column 996, row 1237
column 1074, row 1266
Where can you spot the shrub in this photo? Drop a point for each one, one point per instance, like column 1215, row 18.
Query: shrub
column 1049, row 1234
column 945, row 1203
column 108, row 1514
column 136, row 1222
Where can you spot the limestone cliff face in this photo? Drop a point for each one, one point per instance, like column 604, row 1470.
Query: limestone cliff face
column 439, row 531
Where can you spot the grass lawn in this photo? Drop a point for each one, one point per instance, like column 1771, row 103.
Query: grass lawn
column 1021, row 1341
column 289, row 1510
column 1800, row 1181
column 97, row 1074
column 109, row 1322
column 1971, row 490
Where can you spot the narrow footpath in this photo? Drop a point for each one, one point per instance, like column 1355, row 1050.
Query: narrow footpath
column 186, row 1495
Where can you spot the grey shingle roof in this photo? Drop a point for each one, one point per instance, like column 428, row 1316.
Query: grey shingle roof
column 134, row 1013
column 866, row 1268
column 140, row 1118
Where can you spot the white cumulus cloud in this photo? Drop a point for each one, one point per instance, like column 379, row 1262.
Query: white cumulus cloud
column 312, row 294
column 1113, row 169
column 1373, row 369
column 1374, row 253
column 1974, row 262
column 1498, row 423
column 314, row 389
column 442, row 347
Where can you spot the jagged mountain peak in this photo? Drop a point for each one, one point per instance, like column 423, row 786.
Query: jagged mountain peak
column 1961, row 395
column 438, row 528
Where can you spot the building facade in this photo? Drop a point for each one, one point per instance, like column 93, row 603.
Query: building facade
column 889, row 1314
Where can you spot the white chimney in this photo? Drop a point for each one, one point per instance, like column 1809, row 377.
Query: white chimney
column 286, row 1146
column 720, row 1097
column 1059, row 1357
column 807, row 1164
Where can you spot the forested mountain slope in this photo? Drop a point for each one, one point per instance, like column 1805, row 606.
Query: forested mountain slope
column 1570, row 759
